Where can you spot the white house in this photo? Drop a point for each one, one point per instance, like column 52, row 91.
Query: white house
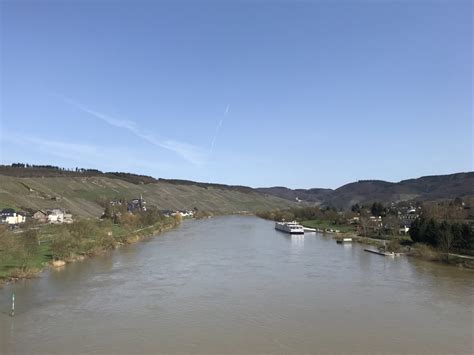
column 184, row 213
column 56, row 216
column 15, row 219
column 404, row 230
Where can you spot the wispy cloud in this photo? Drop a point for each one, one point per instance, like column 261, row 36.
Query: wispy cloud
column 112, row 158
column 218, row 128
column 65, row 150
column 189, row 152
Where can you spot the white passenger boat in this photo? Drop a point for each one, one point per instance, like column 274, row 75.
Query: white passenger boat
column 344, row 240
column 289, row 227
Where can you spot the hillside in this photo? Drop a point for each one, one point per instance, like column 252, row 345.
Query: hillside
column 311, row 195
column 82, row 194
column 427, row 188
column 81, row 191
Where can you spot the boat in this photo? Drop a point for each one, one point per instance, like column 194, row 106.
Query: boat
column 344, row 240
column 289, row 227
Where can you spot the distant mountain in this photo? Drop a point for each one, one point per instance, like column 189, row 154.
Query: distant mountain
column 426, row 188
column 310, row 195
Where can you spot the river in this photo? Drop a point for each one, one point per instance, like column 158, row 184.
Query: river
column 235, row 285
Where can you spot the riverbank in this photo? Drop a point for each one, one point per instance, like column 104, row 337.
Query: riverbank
column 33, row 260
column 326, row 226
column 204, row 288
column 59, row 245
column 419, row 251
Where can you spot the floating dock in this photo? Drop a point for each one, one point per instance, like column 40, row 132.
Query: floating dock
column 344, row 240
column 384, row 253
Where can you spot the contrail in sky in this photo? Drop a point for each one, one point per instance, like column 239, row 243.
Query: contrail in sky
column 218, row 128
column 189, row 152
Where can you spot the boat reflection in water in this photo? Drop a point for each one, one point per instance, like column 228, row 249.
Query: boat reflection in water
column 296, row 240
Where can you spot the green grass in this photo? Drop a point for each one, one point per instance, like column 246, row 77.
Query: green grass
column 327, row 225
column 5, row 204
column 118, row 231
column 17, row 259
column 34, row 261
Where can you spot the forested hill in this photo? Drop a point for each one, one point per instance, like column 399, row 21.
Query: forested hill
column 425, row 188
column 311, row 195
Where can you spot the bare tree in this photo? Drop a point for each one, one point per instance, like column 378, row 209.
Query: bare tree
column 445, row 240
column 392, row 223
column 364, row 225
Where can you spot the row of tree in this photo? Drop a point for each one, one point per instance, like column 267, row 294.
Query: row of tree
column 53, row 167
column 33, row 170
column 376, row 209
column 305, row 213
column 444, row 235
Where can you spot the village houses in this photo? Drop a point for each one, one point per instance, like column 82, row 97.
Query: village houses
column 53, row 216
column 10, row 216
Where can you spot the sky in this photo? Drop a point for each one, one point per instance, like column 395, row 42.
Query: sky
column 261, row 93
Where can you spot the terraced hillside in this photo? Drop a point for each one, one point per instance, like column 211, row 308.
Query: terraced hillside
column 82, row 195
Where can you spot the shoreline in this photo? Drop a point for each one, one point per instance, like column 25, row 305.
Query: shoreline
column 133, row 238
column 460, row 261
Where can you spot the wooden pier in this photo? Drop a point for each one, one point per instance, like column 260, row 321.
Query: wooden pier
column 383, row 253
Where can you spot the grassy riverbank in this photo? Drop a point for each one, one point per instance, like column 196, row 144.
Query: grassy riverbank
column 451, row 243
column 327, row 225
column 25, row 253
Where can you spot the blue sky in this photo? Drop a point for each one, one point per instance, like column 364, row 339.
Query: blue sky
column 263, row 93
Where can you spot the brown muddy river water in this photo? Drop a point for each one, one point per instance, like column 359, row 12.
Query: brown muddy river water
column 235, row 285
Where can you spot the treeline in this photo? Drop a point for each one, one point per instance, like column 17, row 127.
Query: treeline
column 444, row 235
column 53, row 167
column 32, row 170
column 376, row 209
column 120, row 216
column 304, row 213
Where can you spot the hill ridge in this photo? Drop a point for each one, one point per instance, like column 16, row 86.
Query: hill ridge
column 80, row 190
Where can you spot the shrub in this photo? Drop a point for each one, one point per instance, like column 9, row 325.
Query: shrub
column 106, row 240
column 394, row 245
column 82, row 229
column 425, row 252
column 63, row 245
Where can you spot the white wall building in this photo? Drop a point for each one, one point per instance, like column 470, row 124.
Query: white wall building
column 15, row 219
column 56, row 216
